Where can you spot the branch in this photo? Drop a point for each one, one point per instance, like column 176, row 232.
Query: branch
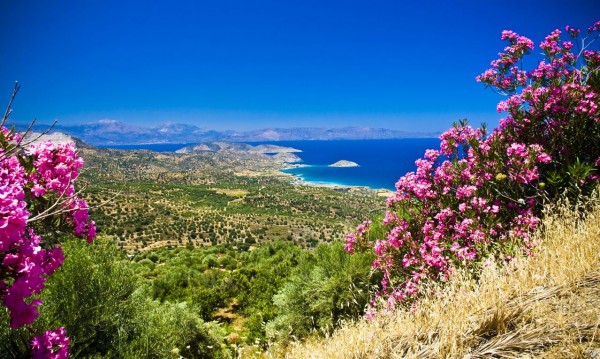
column 12, row 98
column 37, row 137
column 47, row 213
column 58, row 201
column 20, row 144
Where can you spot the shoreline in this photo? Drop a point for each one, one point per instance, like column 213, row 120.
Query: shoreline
column 296, row 179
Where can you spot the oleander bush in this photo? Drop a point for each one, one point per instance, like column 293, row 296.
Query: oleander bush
column 481, row 194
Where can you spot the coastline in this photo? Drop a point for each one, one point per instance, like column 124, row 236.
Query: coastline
column 296, row 179
column 299, row 179
column 377, row 173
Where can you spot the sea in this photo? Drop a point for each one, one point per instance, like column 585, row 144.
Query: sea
column 380, row 162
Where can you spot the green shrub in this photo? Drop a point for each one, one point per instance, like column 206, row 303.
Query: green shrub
column 328, row 286
column 97, row 297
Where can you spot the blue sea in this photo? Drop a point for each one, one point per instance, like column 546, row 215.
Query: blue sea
column 381, row 162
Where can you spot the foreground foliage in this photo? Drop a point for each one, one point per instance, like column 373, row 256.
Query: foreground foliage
column 326, row 288
column 194, row 302
column 481, row 195
column 249, row 292
column 98, row 298
column 539, row 306
column 37, row 198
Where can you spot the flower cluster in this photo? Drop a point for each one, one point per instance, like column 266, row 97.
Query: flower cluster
column 56, row 169
column 36, row 185
column 53, row 344
column 481, row 194
column 557, row 108
column 505, row 75
column 29, row 267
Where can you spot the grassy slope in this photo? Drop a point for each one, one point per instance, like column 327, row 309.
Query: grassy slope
column 544, row 306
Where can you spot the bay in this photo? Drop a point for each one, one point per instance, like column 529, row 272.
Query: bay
column 381, row 162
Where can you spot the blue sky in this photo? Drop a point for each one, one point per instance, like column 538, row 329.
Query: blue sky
column 252, row 64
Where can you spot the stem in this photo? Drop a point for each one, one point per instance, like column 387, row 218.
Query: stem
column 12, row 98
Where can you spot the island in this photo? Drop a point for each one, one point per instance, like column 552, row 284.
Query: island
column 344, row 163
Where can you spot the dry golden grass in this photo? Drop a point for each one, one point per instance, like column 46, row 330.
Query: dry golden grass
column 544, row 306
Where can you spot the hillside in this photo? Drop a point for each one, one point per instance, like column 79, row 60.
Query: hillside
column 236, row 147
column 146, row 200
column 273, row 152
column 543, row 306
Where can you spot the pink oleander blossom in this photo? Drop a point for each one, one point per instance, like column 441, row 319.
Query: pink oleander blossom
column 53, row 344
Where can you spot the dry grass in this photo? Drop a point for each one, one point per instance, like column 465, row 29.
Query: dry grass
column 544, row 306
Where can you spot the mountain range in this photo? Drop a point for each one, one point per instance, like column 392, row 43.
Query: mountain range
column 112, row 132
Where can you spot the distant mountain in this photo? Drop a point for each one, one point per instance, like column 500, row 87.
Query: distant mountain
column 325, row 133
column 111, row 132
column 277, row 153
column 236, row 147
column 178, row 129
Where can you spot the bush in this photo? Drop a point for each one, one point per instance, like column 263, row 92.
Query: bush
column 266, row 269
column 97, row 298
column 328, row 286
column 161, row 330
column 482, row 194
column 90, row 296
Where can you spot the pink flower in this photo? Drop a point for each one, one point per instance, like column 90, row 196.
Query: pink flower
column 38, row 190
column 465, row 191
column 544, row 157
column 350, row 241
column 53, row 344
column 25, row 263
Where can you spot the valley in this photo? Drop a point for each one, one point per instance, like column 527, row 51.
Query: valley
column 143, row 200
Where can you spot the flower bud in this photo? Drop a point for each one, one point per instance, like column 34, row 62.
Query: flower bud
column 542, row 185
